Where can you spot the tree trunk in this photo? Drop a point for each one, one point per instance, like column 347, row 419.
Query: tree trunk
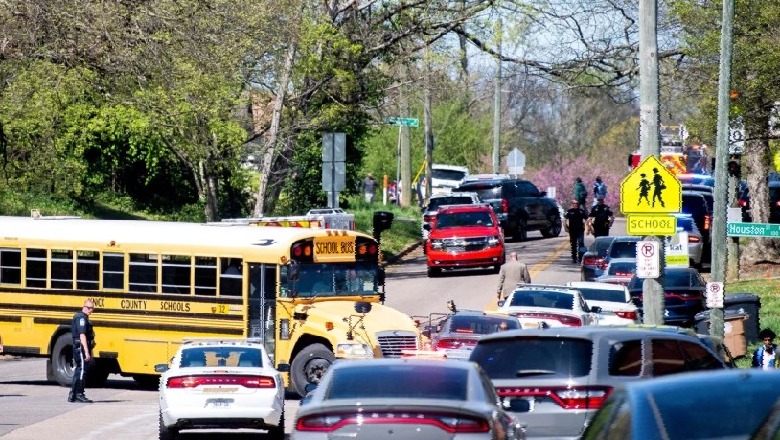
column 273, row 135
column 757, row 160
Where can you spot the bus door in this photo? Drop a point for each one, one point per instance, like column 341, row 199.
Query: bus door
column 262, row 305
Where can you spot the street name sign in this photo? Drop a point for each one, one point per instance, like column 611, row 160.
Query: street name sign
column 647, row 259
column 651, row 224
column 753, row 230
column 404, row 122
column 650, row 189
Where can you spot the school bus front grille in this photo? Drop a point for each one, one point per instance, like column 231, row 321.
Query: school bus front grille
column 393, row 342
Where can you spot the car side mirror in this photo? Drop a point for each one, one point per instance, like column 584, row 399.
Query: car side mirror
column 500, row 302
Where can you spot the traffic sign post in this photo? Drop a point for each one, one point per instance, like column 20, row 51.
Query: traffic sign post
column 403, row 122
column 515, row 162
column 648, row 262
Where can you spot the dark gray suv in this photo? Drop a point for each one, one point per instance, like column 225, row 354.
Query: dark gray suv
column 553, row 380
column 519, row 206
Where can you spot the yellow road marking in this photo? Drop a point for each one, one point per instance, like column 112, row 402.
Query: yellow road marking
column 537, row 268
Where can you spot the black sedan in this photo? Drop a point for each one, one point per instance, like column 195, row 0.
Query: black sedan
column 683, row 293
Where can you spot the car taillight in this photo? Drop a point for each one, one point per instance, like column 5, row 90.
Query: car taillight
column 583, row 397
column 571, row 321
column 707, row 220
column 451, row 423
column 428, row 218
column 743, row 203
column 692, row 239
column 453, row 343
column 245, row 381
column 594, row 261
column 504, row 205
column 626, row 314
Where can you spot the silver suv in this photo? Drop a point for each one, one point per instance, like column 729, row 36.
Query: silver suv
column 553, row 380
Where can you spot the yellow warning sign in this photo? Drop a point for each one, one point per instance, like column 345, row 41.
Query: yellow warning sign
column 650, row 189
column 651, row 224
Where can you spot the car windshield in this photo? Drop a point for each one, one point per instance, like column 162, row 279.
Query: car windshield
column 437, row 202
column 447, row 174
column 533, row 356
column 399, row 381
column 480, row 325
column 623, row 249
column 544, row 299
column 460, row 219
column 595, row 294
column 329, row 279
column 221, row 357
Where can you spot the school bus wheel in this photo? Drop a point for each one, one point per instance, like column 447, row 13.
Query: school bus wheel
column 62, row 360
column 309, row 365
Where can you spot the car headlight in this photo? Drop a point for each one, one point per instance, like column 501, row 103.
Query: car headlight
column 437, row 244
column 493, row 241
column 353, row 350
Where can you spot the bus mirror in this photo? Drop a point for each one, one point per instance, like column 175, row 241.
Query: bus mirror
column 362, row 307
column 382, row 221
column 380, row 276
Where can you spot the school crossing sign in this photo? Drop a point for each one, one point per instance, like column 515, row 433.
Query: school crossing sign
column 647, row 196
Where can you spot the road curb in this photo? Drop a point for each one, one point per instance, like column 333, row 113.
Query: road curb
column 404, row 252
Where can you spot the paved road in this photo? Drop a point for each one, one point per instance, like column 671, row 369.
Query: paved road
column 33, row 409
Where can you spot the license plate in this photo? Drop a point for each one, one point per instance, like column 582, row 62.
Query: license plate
column 218, row 403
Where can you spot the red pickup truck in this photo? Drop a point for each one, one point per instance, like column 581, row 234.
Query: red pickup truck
column 464, row 236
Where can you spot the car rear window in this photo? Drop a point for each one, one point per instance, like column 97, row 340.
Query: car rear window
column 622, row 269
column 600, row 246
column 447, row 174
column 603, row 294
column 623, row 249
column 536, row 298
column 443, row 201
column 485, row 191
column 534, row 356
column 695, row 205
column 677, row 278
column 399, row 381
column 221, row 357
column 686, row 223
column 480, row 325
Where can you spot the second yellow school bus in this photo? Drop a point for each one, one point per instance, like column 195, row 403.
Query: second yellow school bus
column 312, row 295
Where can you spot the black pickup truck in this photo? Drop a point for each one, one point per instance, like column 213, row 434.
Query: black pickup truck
column 519, row 206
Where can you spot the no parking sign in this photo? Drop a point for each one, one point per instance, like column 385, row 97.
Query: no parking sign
column 715, row 295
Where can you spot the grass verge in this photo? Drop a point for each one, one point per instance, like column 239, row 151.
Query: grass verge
column 404, row 231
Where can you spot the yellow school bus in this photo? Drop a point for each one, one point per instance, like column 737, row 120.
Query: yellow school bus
column 313, row 295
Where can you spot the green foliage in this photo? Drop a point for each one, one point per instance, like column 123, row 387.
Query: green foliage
column 404, row 231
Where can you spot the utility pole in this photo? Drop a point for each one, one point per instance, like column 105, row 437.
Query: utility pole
column 428, row 121
column 718, row 270
column 497, row 106
column 405, row 146
column 649, row 143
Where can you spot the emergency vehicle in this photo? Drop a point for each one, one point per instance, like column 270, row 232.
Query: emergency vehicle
column 324, row 218
column 677, row 157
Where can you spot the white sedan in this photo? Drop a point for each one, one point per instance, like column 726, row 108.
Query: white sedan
column 542, row 306
column 221, row 384
column 614, row 300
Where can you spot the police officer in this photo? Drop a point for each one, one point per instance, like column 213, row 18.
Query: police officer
column 574, row 223
column 601, row 218
column 83, row 341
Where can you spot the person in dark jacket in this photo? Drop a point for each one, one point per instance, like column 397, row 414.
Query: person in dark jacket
column 601, row 219
column 574, row 224
column 83, row 342
column 580, row 192
column 765, row 356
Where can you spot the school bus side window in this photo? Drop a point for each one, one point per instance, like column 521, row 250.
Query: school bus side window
column 230, row 278
column 36, row 268
column 10, row 266
column 113, row 271
column 143, row 273
column 206, row 276
column 176, row 271
column 61, row 269
column 87, row 270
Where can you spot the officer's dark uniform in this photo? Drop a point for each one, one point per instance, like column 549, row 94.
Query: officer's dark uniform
column 576, row 218
column 80, row 324
column 601, row 215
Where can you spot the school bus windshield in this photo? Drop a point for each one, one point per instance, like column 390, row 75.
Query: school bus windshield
column 307, row 280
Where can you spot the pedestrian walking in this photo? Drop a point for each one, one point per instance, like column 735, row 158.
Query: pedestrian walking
column 83, row 342
column 369, row 188
column 599, row 190
column 574, row 223
column 511, row 274
column 601, row 218
column 580, row 193
column 644, row 189
column 765, row 356
column 658, row 187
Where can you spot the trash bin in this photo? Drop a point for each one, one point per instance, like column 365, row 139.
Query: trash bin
column 749, row 304
column 733, row 330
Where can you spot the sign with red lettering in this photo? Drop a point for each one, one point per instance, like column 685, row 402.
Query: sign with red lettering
column 647, row 259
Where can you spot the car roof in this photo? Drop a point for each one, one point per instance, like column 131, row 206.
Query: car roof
column 340, row 364
column 595, row 285
column 627, row 238
column 441, row 166
column 454, row 194
column 541, row 287
column 587, row 332
column 707, row 379
column 464, row 208
column 222, row 342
